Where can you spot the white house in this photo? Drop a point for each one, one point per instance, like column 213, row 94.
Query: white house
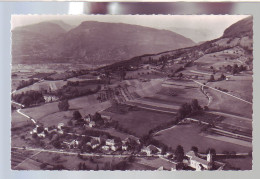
column 110, row 142
column 105, row 147
column 151, row 149
column 115, row 147
column 60, row 125
column 87, row 118
column 124, row 147
column 92, row 124
column 199, row 163
column 94, row 143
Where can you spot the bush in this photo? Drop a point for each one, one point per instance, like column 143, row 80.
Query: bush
column 63, row 105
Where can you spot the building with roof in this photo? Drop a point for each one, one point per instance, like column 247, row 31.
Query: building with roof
column 151, row 149
column 110, row 142
column 92, row 124
column 198, row 163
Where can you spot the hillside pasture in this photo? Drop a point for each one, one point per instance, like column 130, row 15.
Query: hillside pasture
column 191, row 135
column 217, row 59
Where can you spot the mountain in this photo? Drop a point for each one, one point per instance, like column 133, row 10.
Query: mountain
column 34, row 40
column 101, row 43
column 240, row 28
column 196, row 35
column 237, row 39
column 62, row 24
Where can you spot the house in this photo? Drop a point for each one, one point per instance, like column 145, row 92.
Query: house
column 105, row 147
column 41, row 135
column 60, row 125
column 72, row 144
column 50, row 98
column 110, row 142
column 151, row 149
column 124, row 147
column 115, row 147
column 199, row 163
column 106, row 118
column 126, row 140
column 92, row 124
column 97, row 139
column 94, row 143
column 227, row 78
column 87, row 118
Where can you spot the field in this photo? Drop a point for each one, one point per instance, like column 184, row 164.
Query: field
column 224, row 103
column 217, row 59
column 240, row 85
column 49, row 113
column 141, row 121
column 239, row 163
column 18, row 120
column 71, row 162
column 18, row 158
column 190, row 135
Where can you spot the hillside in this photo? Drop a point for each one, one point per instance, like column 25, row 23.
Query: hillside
column 237, row 39
column 34, row 40
column 99, row 43
column 242, row 27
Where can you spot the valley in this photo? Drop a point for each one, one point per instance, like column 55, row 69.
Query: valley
column 137, row 113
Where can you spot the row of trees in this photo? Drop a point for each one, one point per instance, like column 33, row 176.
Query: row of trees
column 235, row 69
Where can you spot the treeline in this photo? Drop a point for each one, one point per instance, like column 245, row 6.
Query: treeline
column 235, row 69
column 84, row 83
column 29, row 98
column 66, row 75
column 24, row 83
column 68, row 92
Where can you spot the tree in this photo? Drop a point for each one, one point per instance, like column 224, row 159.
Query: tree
column 76, row 115
column 222, row 77
column 80, row 166
column 195, row 105
column 211, row 79
column 179, row 153
column 97, row 167
column 40, row 129
column 63, row 105
column 195, row 149
column 235, row 69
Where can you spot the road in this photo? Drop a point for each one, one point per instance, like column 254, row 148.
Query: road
column 23, row 114
column 83, row 154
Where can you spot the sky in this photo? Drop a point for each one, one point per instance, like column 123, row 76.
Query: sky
column 196, row 27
